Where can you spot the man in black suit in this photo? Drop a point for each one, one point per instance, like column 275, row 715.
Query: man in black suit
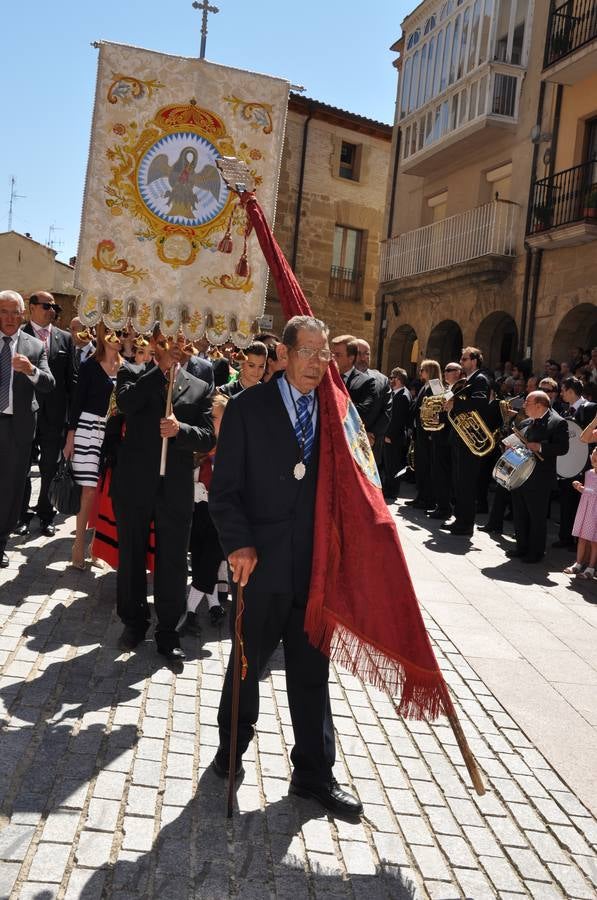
column 582, row 412
column 474, row 396
column 24, row 372
column 380, row 417
column 361, row 387
column 83, row 346
column 141, row 496
column 397, row 437
column 53, row 407
column 546, row 433
column 201, row 369
column 262, row 501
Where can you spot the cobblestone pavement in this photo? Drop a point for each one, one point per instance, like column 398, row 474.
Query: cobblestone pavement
column 105, row 791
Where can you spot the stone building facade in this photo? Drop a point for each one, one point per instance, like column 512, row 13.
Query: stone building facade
column 476, row 127
column 27, row 266
column 330, row 211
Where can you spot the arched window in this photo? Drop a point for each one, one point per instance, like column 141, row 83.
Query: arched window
column 429, row 25
column 446, row 62
column 423, row 76
column 455, row 49
column 430, row 72
column 413, row 39
column 439, row 58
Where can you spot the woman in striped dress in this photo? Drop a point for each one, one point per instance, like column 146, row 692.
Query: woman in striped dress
column 96, row 382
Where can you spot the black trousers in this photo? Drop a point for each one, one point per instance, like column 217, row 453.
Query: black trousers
column 423, row 471
column 465, row 473
column 441, row 470
column 394, row 459
column 206, row 553
column 569, row 500
column 502, row 499
column 172, row 531
column 48, row 442
column 267, row 619
column 530, row 520
column 13, row 475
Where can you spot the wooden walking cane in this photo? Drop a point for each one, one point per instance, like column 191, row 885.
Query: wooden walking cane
column 239, row 671
column 168, row 411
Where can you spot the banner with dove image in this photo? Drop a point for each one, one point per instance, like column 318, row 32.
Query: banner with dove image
column 162, row 239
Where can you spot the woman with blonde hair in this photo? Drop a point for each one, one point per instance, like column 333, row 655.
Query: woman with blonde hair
column 87, row 422
column 425, row 499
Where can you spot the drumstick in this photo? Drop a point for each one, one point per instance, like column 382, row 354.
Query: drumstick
column 522, row 438
column 168, row 411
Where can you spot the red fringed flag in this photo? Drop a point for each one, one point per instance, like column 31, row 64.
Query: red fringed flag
column 362, row 609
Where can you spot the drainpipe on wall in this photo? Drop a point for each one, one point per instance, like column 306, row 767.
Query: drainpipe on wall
column 522, row 342
column 390, row 228
column 299, row 199
column 537, row 257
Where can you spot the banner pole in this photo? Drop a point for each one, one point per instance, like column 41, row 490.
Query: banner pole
column 168, row 411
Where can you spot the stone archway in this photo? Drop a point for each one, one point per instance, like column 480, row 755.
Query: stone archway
column 400, row 348
column 497, row 339
column 445, row 342
column 578, row 328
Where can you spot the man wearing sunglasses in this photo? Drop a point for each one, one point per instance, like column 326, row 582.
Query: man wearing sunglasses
column 53, row 407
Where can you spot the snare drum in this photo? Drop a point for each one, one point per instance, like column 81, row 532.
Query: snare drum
column 514, row 467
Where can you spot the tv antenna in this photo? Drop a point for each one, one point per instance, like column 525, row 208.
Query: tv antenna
column 13, row 198
column 52, row 242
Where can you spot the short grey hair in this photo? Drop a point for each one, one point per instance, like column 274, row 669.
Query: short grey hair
column 302, row 323
column 13, row 295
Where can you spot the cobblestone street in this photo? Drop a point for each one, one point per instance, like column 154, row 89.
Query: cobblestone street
column 104, row 782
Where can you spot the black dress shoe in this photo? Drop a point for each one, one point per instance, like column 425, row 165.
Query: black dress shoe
column 438, row 513
column 190, row 625
column 172, row 654
column 416, row 503
column 515, row 554
column 331, row 796
column 48, row 529
column 463, row 530
column 130, row 638
column 216, row 615
column 489, row 529
column 22, row 529
column 3, row 560
column 220, row 766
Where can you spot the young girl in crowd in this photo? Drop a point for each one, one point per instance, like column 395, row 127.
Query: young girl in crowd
column 585, row 524
column 208, row 564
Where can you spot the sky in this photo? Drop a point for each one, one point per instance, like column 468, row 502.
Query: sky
column 338, row 50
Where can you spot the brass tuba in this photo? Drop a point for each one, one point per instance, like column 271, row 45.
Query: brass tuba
column 472, row 430
column 430, row 410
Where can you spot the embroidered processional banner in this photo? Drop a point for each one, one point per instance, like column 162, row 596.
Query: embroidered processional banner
column 162, row 238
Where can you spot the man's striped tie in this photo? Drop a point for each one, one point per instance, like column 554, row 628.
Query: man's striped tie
column 303, row 427
column 5, row 372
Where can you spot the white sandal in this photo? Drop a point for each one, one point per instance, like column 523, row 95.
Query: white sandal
column 589, row 573
column 574, row 569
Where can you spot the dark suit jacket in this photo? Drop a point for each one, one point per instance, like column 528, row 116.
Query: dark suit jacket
column 254, row 499
column 25, row 395
column 585, row 414
column 401, row 417
column 474, row 396
column 202, row 369
column 55, row 406
column 552, row 433
column 363, row 391
column 141, row 396
column 382, row 411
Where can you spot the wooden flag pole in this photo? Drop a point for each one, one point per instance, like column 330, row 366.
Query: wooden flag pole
column 467, row 755
column 236, row 677
column 168, row 411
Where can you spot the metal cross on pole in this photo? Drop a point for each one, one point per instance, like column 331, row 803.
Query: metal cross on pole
column 206, row 8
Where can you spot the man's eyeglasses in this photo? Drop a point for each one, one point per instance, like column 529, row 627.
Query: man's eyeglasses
column 464, row 358
column 310, row 353
column 46, row 306
column 451, row 370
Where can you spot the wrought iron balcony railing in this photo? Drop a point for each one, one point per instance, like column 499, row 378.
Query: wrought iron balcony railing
column 571, row 25
column 566, row 197
column 488, row 229
column 345, row 283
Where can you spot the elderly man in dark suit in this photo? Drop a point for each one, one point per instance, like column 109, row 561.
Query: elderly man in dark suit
column 546, row 433
column 50, row 432
column 262, row 501
column 140, row 495
column 24, row 372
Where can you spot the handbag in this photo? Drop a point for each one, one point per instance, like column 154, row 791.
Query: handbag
column 64, row 492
